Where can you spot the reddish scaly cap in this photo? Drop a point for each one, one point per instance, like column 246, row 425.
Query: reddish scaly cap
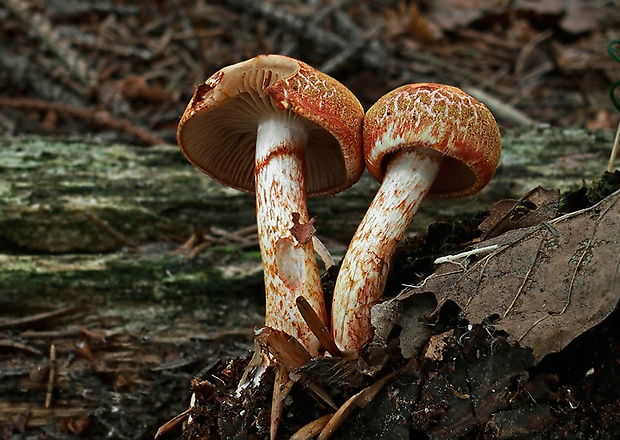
column 217, row 131
column 440, row 117
column 321, row 99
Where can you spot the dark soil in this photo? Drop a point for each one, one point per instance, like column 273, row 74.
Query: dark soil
column 482, row 388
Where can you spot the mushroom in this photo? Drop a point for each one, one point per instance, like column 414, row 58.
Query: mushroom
column 419, row 139
column 275, row 126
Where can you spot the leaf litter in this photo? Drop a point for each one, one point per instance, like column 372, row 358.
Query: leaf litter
column 461, row 352
column 543, row 285
column 535, row 207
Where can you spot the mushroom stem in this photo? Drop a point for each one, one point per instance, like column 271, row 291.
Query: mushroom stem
column 290, row 267
column 364, row 269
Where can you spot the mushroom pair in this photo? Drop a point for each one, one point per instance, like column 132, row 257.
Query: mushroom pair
column 275, row 126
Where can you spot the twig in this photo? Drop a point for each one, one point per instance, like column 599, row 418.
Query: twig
column 19, row 346
column 501, row 109
column 528, row 48
column 113, row 431
column 460, row 256
column 50, row 334
column 199, row 241
column 8, row 323
column 317, row 326
column 359, row 400
column 245, row 231
column 281, row 389
column 319, row 36
column 100, row 117
column 105, row 226
column 360, row 41
column 614, row 151
column 312, row 429
column 172, row 424
column 322, row 252
column 330, row 8
column 375, row 55
column 52, row 376
column 289, row 21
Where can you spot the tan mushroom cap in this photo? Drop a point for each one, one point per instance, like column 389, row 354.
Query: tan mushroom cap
column 440, row 117
column 217, row 132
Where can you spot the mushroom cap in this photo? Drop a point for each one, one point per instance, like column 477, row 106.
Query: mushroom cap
column 440, row 117
column 217, row 132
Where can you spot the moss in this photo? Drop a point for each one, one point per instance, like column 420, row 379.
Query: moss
column 606, row 185
column 48, row 186
column 588, row 195
column 251, row 256
column 123, row 277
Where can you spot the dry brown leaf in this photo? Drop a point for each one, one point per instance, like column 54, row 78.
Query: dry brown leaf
column 437, row 344
column 454, row 14
column 581, row 16
column 576, row 16
column 291, row 355
column 302, row 232
column 317, row 326
column 537, row 206
column 312, row 429
column 546, row 284
column 548, row 7
column 410, row 317
column 359, row 400
column 284, row 348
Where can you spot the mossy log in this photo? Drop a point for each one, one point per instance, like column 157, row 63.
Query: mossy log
column 150, row 303
column 50, row 191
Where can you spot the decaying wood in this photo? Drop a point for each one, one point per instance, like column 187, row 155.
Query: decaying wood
column 161, row 314
column 51, row 189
